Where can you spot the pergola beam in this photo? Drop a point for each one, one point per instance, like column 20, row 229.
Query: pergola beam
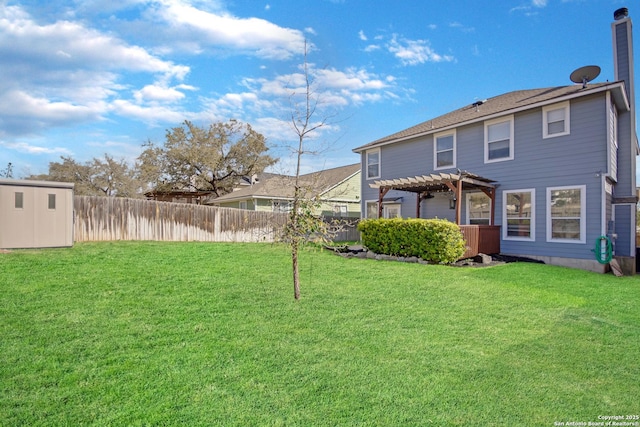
column 437, row 182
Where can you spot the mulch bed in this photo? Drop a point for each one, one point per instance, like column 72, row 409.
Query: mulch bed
column 357, row 251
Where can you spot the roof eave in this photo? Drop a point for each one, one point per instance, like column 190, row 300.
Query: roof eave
column 35, row 183
column 621, row 100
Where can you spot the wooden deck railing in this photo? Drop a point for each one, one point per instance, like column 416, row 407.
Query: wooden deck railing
column 483, row 239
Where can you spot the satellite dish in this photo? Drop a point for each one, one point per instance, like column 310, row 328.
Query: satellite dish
column 585, row 74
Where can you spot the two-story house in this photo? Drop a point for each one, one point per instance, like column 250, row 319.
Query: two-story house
column 554, row 168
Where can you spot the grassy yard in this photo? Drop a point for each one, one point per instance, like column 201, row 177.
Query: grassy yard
column 141, row 333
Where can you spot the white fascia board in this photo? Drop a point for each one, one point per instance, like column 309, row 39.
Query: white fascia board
column 621, row 100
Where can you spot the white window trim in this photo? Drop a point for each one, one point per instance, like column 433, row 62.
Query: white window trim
column 435, row 150
column 468, row 205
column 612, row 138
column 366, row 163
column 532, row 233
column 583, row 214
column 279, row 203
column 567, row 119
column 387, row 206
column 366, row 211
column 511, row 139
column 341, row 209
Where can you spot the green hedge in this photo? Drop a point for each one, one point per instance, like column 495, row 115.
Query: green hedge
column 434, row 240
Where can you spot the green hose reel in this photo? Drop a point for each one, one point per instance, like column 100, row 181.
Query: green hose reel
column 603, row 254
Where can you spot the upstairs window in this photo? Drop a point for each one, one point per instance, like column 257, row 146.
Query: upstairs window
column 555, row 120
column 498, row 140
column 52, row 201
column 444, row 151
column 373, row 164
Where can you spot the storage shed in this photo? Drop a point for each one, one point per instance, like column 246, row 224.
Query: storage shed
column 35, row 214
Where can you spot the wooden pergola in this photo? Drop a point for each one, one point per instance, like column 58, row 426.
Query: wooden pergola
column 442, row 182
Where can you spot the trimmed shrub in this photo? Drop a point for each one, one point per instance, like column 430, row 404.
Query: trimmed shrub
column 434, row 240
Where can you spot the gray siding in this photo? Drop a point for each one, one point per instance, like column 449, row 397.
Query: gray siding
column 622, row 43
column 626, row 185
column 624, row 245
column 570, row 160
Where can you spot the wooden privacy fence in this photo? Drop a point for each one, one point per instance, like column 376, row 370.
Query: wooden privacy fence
column 110, row 218
column 343, row 229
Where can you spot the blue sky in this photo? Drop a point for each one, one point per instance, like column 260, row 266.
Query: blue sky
column 82, row 78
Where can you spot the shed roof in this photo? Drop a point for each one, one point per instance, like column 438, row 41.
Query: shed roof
column 30, row 183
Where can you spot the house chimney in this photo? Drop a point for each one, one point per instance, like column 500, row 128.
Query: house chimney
column 621, row 29
column 623, row 50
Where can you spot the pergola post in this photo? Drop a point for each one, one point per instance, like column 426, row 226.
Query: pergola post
column 382, row 191
column 459, row 202
column 491, row 192
column 456, row 188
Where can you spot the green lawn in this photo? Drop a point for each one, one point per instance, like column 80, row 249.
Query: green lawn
column 142, row 333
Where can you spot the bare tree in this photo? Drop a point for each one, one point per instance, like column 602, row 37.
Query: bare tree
column 302, row 221
column 8, row 172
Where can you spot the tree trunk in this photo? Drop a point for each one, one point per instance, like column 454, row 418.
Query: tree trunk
column 296, row 273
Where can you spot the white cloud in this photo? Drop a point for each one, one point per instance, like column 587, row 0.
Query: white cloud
column 158, row 93
column 235, row 35
column 461, row 27
column 414, row 52
column 362, row 36
column 332, row 86
column 269, row 102
column 63, row 73
column 527, row 9
column 23, row 113
column 65, row 44
column 151, row 115
column 24, row 147
column 351, row 79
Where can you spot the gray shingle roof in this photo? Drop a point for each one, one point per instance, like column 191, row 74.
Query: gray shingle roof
column 282, row 186
column 501, row 104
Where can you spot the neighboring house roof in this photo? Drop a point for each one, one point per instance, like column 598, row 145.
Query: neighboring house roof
column 177, row 193
column 500, row 105
column 272, row 186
